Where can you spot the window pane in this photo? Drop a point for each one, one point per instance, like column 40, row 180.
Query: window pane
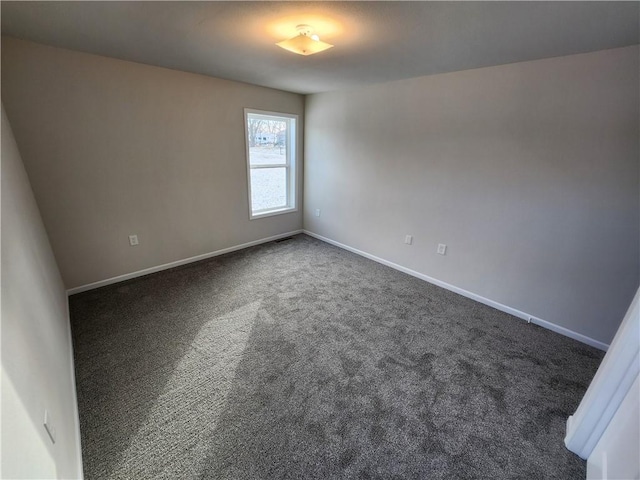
column 271, row 162
column 268, row 188
column 267, row 140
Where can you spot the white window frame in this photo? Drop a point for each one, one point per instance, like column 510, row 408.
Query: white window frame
column 290, row 165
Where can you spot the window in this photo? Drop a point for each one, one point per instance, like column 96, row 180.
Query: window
column 271, row 162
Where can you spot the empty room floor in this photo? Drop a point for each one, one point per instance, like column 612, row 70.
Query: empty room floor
column 297, row 359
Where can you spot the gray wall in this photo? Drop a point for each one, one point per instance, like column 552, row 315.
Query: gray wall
column 37, row 357
column 529, row 172
column 114, row 148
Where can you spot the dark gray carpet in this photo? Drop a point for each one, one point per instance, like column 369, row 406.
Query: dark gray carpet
column 301, row 360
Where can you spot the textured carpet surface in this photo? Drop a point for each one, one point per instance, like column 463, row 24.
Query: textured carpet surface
column 301, row 360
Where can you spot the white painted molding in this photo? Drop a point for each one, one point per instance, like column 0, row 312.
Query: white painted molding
column 465, row 293
column 615, row 456
column 177, row 263
column 618, row 371
column 76, row 412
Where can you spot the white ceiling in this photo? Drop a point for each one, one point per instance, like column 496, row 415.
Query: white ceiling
column 374, row 41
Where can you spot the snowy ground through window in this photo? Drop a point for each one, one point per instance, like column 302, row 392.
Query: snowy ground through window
column 268, row 185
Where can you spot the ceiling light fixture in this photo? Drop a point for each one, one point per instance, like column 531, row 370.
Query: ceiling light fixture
column 305, row 43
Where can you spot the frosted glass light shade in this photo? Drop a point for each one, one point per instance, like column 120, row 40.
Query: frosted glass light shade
column 304, row 45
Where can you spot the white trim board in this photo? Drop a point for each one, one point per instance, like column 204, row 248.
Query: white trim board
column 177, row 263
column 498, row 306
column 76, row 412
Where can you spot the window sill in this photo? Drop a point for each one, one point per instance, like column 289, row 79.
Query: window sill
column 271, row 213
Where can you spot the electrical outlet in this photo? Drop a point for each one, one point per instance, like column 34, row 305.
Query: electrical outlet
column 133, row 240
column 317, row 212
column 48, row 426
column 408, row 239
column 442, row 249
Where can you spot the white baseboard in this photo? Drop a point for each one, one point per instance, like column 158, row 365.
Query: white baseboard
column 177, row 263
column 465, row 293
column 76, row 412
